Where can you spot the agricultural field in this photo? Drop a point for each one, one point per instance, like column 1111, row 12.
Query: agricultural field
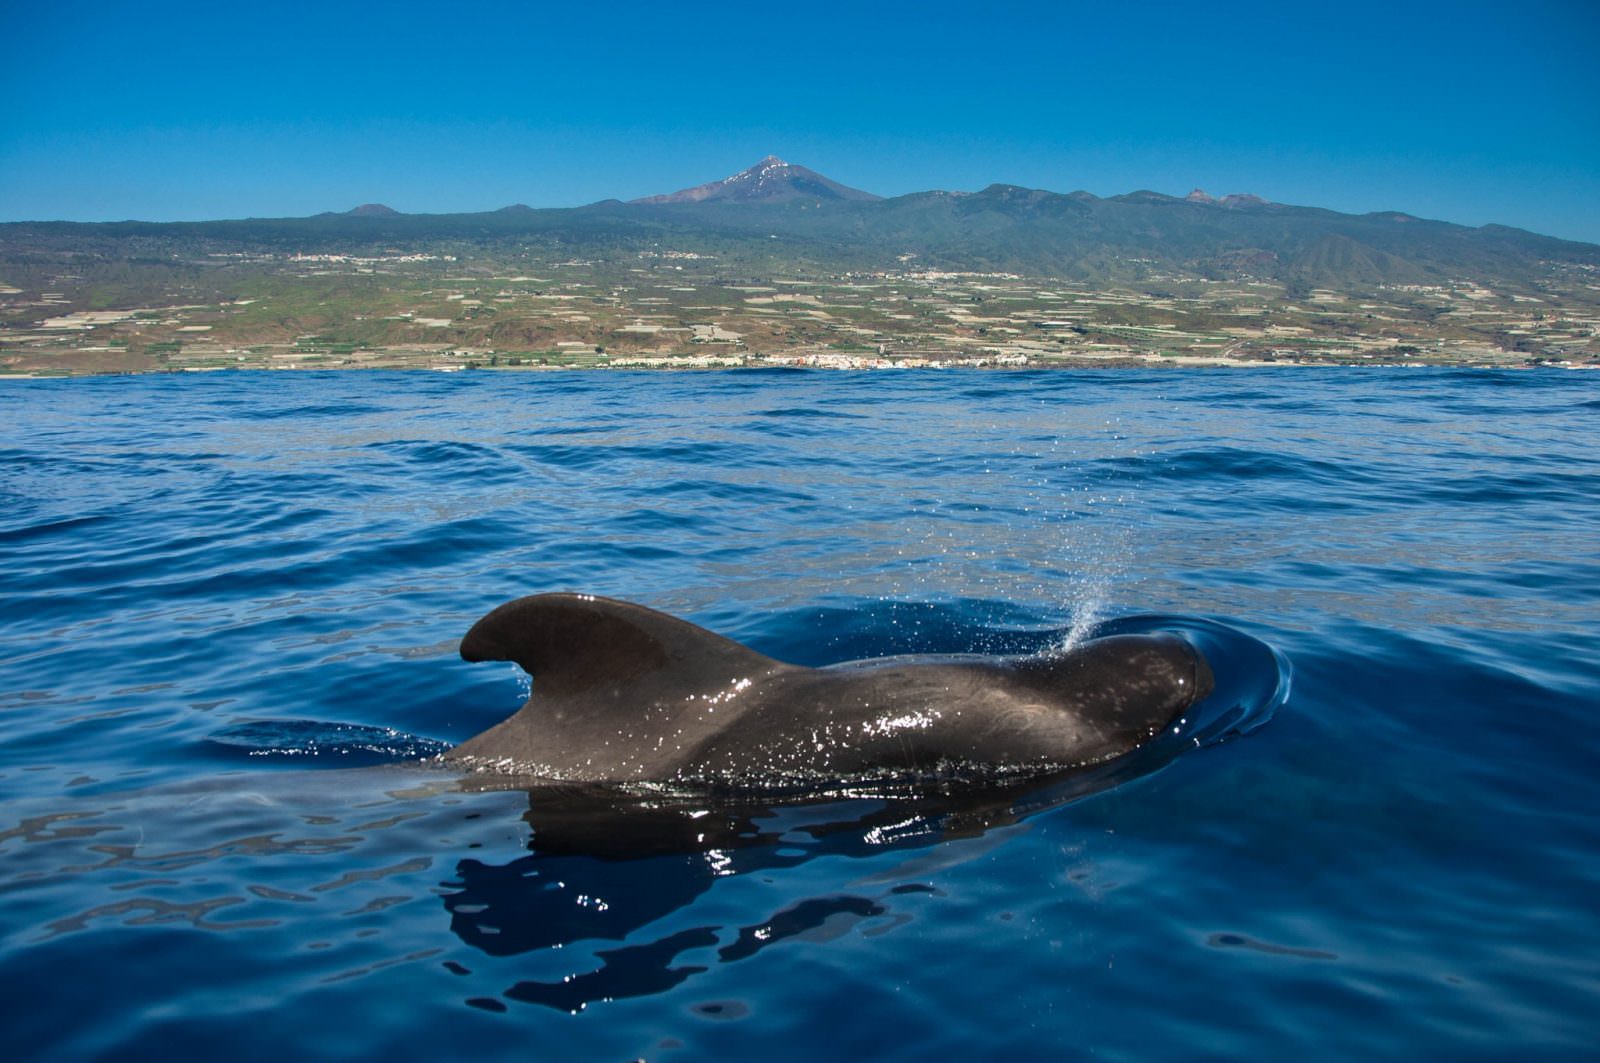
column 665, row 308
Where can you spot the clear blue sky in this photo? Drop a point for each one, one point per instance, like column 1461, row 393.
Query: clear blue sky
column 1467, row 111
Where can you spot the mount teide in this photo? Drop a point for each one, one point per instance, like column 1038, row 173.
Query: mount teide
column 769, row 181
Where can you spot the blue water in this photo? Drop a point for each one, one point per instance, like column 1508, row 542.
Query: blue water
column 230, row 610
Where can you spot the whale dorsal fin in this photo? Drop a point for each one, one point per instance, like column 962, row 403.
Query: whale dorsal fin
column 576, row 643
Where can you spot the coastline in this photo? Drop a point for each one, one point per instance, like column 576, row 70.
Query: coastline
column 1058, row 367
column 664, row 313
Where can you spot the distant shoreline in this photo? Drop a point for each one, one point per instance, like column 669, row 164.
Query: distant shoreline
column 1281, row 366
column 666, row 309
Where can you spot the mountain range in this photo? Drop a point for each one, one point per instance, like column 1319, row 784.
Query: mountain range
column 777, row 210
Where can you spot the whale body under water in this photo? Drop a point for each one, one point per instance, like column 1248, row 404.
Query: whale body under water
column 623, row 694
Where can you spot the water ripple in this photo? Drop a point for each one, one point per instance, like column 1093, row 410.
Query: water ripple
column 231, row 609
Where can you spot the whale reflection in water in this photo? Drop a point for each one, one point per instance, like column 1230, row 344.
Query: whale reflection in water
column 604, row 864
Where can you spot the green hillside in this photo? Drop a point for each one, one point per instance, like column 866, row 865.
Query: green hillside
column 1027, row 231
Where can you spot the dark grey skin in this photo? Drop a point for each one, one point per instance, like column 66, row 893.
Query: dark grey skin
column 623, row 694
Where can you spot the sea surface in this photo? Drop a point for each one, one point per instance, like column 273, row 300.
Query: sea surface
column 229, row 612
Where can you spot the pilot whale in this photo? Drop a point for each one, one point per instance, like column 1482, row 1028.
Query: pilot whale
column 623, row 694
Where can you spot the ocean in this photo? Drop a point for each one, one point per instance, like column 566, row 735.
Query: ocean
column 231, row 610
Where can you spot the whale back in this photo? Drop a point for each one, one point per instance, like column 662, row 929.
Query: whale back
column 617, row 687
column 963, row 717
column 622, row 693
